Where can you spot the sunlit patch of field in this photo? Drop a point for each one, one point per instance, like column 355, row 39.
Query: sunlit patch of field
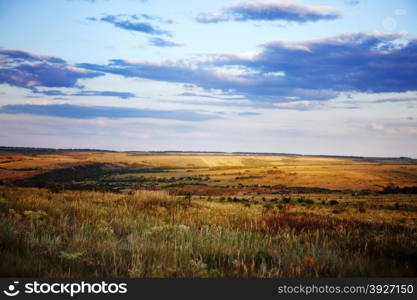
column 15, row 166
column 331, row 173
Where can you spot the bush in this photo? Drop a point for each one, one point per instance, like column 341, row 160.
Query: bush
column 333, row 202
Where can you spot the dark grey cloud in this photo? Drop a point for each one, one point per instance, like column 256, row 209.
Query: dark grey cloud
column 134, row 23
column 160, row 42
column 121, row 95
column 24, row 69
column 350, row 62
column 93, row 112
column 291, row 71
column 277, row 10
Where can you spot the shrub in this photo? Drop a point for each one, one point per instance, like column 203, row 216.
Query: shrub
column 333, row 202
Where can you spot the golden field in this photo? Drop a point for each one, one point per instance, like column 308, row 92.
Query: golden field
column 89, row 213
column 331, row 173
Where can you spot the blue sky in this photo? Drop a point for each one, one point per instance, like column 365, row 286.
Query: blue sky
column 309, row 77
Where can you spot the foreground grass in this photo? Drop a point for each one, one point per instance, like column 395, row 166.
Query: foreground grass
column 153, row 234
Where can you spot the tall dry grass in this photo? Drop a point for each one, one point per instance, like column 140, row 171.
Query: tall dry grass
column 154, row 234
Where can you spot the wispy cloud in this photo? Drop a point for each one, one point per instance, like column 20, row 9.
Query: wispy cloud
column 248, row 114
column 300, row 105
column 352, row 2
column 272, row 10
column 153, row 18
column 391, row 128
column 160, row 42
column 211, row 96
column 121, row 95
column 24, row 69
column 134, row 23
column 93, row 112
column 396, row 99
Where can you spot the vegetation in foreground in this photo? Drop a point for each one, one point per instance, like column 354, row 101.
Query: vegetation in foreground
column 155, row 234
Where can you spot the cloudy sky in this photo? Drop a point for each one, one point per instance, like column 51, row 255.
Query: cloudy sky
column 308, row 77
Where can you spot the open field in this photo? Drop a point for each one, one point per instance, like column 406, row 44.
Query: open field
column 206, row 215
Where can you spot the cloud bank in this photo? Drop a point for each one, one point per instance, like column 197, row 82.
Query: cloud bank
column 282, row 71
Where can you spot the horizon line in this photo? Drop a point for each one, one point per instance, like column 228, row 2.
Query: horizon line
column 206, row 152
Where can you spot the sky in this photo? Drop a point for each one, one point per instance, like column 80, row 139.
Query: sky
column 306, row 77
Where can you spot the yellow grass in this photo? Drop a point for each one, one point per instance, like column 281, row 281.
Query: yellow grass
column 331, row 173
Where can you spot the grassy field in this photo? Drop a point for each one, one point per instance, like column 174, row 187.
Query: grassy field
column 70, row 214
